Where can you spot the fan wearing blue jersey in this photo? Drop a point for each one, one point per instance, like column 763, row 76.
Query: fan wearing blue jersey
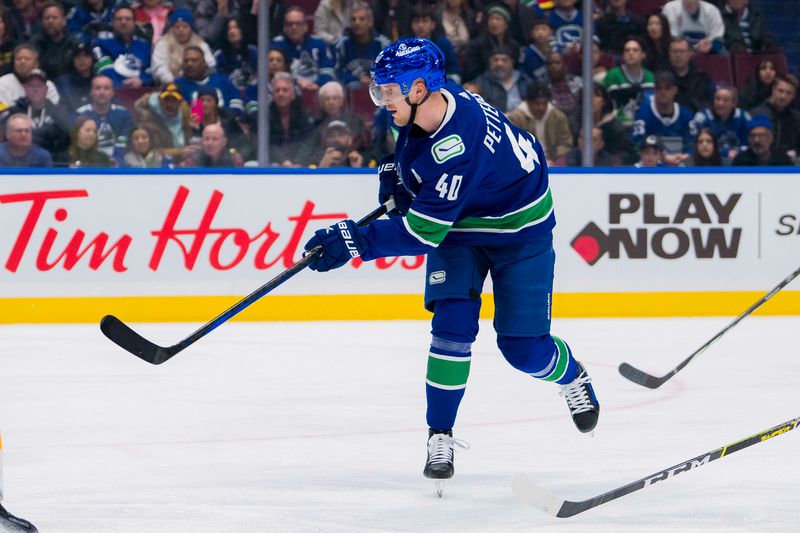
column 472, row 193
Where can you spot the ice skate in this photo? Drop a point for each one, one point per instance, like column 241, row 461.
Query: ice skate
column 582, row 403
column 9, row 522
column 441, row 448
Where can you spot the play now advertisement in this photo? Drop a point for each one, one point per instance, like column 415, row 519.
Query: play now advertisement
column 184, row 234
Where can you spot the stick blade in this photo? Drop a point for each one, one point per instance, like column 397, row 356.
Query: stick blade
column 123, row 336
column 639, row 377
column 535, row 495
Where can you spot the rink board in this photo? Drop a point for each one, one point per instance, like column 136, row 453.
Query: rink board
column 183, row 246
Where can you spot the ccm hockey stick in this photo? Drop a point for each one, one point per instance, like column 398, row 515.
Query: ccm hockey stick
column 537, row 496
column 653, row 382
column 9, row 522
column 121, row 334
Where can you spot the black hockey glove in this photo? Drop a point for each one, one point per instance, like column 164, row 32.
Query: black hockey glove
column 392, row 185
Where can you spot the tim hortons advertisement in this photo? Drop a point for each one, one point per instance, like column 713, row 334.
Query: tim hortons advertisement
column 202, row 234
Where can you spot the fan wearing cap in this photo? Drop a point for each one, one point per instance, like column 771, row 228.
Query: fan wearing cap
column 26, row 58
column 168, row 117
column 50, row 122
column 122, row 55
column 75, row 86
column 168, row 54
column 338, row 149
column 472, row 193
column 495, row 32
column 651, row 153
column 761, row 149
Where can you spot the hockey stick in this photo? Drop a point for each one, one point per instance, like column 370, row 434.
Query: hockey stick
column 643, row 378
column 126, row 338
column 9, row 522
column 537, row 496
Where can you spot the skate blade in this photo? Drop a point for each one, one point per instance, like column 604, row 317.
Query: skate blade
column 439, row 485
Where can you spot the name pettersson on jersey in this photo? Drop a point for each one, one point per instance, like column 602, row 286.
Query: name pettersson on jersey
column 699, row 225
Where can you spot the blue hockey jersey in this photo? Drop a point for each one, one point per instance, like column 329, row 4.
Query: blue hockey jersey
column 568, row 28
column 676, row 132
column 228, row 96
column 731, row 134
column 476, row 180
column 310, row 60
column 120, row 61
column 113, row 129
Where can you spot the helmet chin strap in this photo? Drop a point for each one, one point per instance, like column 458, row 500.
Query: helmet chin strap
column 414, row 106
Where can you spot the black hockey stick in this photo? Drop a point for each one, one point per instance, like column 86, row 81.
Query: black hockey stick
column 537, row 496
column 643, row 378
column 126, row 338
column 9, row 522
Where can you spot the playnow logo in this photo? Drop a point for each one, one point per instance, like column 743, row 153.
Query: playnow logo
column 697, row 226
column 64, row 245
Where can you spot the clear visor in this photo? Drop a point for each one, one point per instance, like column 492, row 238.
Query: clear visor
column 385, row 94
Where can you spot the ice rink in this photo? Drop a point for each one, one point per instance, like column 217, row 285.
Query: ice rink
column 264, row 427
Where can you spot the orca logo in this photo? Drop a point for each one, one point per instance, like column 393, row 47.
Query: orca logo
column 699, row 227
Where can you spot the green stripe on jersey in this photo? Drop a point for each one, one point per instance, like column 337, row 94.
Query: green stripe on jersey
column 446, row 372
column 427, row 229
column 530, row 215
column 562, row 363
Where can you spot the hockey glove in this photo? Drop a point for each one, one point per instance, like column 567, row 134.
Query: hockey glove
column 340, row 243
column 392, row 185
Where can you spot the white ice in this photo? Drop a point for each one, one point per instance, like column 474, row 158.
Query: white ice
column 313, row 427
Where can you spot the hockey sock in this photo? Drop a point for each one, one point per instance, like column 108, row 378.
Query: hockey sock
column 546, row 357
column 455, row 326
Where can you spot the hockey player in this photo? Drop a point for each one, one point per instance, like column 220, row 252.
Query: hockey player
column 472, row 193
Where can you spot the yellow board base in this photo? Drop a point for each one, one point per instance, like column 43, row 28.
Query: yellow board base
column 380, row 307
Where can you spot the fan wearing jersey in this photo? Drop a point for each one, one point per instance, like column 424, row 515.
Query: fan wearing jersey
column 472, row 193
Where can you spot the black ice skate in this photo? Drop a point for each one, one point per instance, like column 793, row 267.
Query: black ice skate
column 582, row 403
column 9, row 522
column 439, row 465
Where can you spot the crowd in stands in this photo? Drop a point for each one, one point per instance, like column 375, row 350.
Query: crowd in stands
column 171, row 83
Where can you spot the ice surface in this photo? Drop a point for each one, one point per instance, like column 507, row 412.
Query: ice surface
column 320, row 427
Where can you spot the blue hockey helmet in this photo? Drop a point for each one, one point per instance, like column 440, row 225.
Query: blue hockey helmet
column 405, row 61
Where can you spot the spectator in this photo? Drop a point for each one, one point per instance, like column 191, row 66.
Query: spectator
column 745, row 30
column 276, row 62
column 565, row 89
column 26, row 18
column 169, row 52
column 331, row 102
column 523, row 13
column 196, row 74
column 18, row 150
column 567, row 22
column 706, row 151
column 212, row 113
column 55, row 45
column 760, row 148
column 458, row 23
column 26, row 59
column 502, row 86
column 211, row 16
column 785, row 119
column 534, row 56
column 168, row 118
column 356, row 50
column 50, row 123
column 113, row 122
column 759, row 87
column 574, row 158
column 495, row 33
column 330, row 19
column 656, row 43
column 141, row 152
column 630, row 82
column 338, row 149
column 74, row 86
column 651, row 153
column 423, row 25
column 290, row 125
column 310, row 62
column 699, row 22
column 393, row 18
column 90, row 17
column 121, row 55
column 694, row 86
column 726, row 122
column 537, row 115
column 236, row 59
column 662, row 116
column 617, row 25
column 214, row 150
column 7, row 42
column 616, row 136
column 151, row 19
column 83, row 151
